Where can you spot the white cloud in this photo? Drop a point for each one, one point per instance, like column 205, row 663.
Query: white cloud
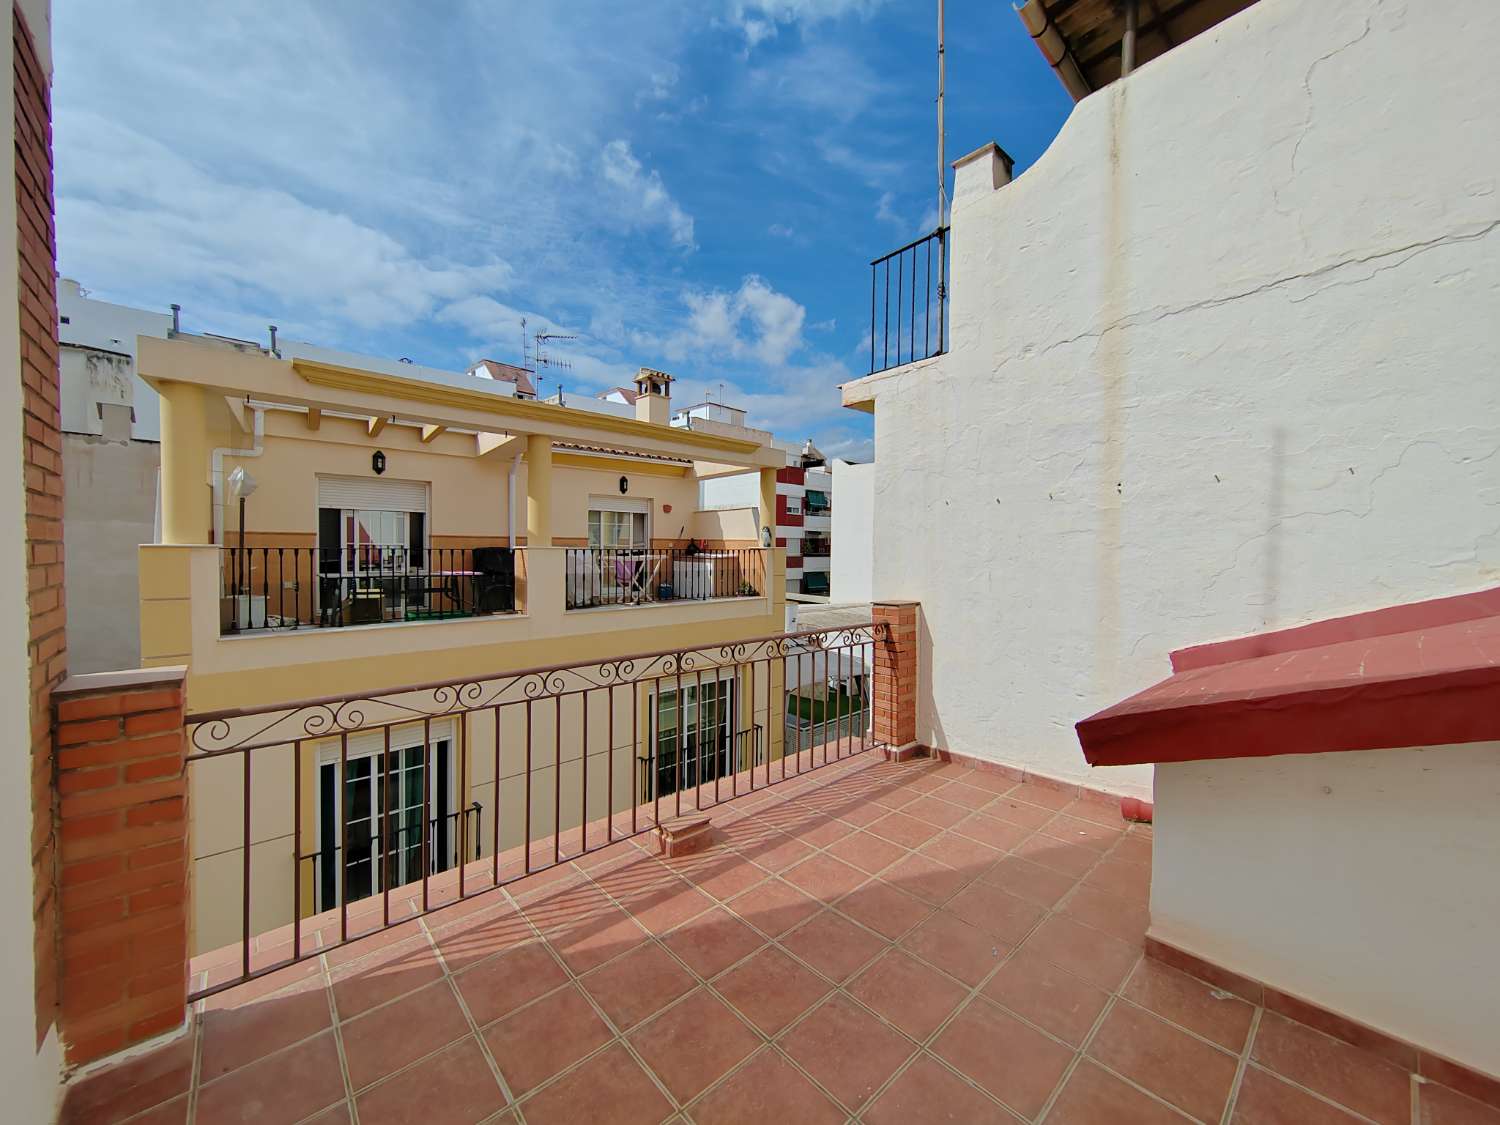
column 759, row 20
column 135, row 210
column 641, row 197
column 781, row 230
column 754, row 322
column 828, row 80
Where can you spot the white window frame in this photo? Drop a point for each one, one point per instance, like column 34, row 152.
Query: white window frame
column 371, row 744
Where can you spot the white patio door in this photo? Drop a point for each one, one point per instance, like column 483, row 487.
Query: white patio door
column 694, row 735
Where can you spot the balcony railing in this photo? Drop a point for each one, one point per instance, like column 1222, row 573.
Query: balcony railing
column 271, row 587
column 909, row 302
column 548, row 763
column 603, row 576
column 816, row 548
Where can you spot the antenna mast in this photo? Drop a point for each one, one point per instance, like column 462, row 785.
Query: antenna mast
column 942, row 168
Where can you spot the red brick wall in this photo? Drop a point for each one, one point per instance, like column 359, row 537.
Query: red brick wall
column 894, row 699
column 42, row 458
column 123, row 859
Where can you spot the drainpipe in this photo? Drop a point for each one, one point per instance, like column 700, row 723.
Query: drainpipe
column 258, row 429
column 510, row 506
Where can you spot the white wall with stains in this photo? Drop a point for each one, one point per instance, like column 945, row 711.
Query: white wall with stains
column 1224, row 359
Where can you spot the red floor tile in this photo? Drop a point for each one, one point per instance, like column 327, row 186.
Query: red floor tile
column 1042, row 795
column 766, row 1089
column 824, row 877
column 381, row 1041
column 1093, row 1096
column 591, row 943
column 453, row 1087
column 833, row 945
column 993, row 832
column 956, row 947
column 1122, row 877
column 403, row 968
column 722, row 873
column 905, row 830
column 1123, row 918
column 1070, row 859
column 1083, row 951
column 1027, row 880
column 693, row 1044
column 498, row 986
column 711, row 942
column 132, row 1086
column 996, row 912
column 935, row 810
column 932, row 882
column 1438, row 1105
column 1187, row 1001
column 533, row 1044
column 639, row 984
column 929, row 1091
column 1265, row 1099
column 475, row 939
column 609, row 1089
column 1072, row 830
column 884, row 909
column 866, row 852
column 1013, row 1062
column 667, row 907
column 1362, row 1081
column 960, row 852
column 847, row 1050
column 281, row 1088
column 1050, row 997
column 824, row 830
column 174, row 1112
column 1134, row 847
column 235, row 1036
column 971, row 797
column 1170, row 1063
column 774, row 907
column 1026, row 816
column 911, row 994
column 771, row 989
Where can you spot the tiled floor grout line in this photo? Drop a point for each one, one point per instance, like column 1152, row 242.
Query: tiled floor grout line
column 463, row 1005
column 1240, row 1067
column 338, row 1037
column 616, row 1036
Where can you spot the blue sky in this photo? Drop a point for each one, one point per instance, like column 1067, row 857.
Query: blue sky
column 693, row 186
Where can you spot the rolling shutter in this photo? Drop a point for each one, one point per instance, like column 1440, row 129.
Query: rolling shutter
column 372, row 495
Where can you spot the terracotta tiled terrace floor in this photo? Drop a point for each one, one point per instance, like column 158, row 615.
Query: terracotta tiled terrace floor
column 875, row 942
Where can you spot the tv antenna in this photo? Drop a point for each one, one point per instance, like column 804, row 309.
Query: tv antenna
column 534, row 354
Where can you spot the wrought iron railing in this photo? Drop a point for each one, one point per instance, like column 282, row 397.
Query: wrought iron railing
column 553, row 762
column 909, row 302
column 272, row 587
column 596, row 576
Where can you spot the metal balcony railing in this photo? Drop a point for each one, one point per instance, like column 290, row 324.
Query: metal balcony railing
column 597, row 576
column 545, row 764
column 270, row 587
column 909, row 302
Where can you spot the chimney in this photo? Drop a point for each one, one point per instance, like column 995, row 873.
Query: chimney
column 653, row 402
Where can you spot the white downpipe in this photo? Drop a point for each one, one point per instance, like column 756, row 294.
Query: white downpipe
column 510, row 504
column 258, row 432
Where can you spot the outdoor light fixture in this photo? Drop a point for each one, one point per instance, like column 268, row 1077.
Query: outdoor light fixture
column 624, row 485
column 377, row 461
column 241, row 484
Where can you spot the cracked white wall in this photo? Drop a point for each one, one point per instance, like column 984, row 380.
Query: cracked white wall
column 1223, row 359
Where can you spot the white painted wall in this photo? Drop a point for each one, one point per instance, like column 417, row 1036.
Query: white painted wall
column 95, row 324
column 29, row 1077
column 1223, row 359
column 853, row 535
column 739, row 491
column 1364, row 882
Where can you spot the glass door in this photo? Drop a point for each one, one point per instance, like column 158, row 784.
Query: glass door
column 363, row 800
column 694, row 736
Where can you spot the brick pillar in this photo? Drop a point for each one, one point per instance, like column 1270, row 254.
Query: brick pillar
column 123, row 859
column 40, row 427
column 895, row 689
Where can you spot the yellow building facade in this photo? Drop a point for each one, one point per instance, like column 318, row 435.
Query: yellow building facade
column 399, row 534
